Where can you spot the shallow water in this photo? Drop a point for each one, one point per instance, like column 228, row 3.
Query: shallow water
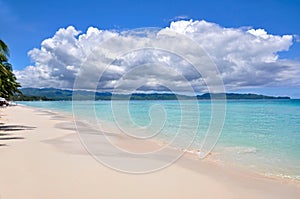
column 263, row 135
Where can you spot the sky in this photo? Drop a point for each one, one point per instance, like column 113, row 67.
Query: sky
column 35, row 28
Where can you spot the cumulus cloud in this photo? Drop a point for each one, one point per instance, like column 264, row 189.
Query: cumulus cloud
column 245, row 58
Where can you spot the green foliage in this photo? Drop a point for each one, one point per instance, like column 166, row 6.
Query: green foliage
column 59, row 94
column 4, row 52
column 50, row 93
column 8, row 81
column 21, row 97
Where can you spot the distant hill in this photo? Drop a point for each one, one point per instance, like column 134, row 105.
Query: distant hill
column 60, row 94
column 238, row 96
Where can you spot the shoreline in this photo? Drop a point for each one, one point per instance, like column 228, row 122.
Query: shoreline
column 50, row 157
column 188, row 153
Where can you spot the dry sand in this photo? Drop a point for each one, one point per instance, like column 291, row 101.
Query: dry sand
column 41, row 157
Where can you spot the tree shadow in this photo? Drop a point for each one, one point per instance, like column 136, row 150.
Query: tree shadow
column 11, row 138
column 15, row 127
column 6, row 134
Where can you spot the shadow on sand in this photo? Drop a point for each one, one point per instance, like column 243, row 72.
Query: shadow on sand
column 11, row 128
column 15, row 127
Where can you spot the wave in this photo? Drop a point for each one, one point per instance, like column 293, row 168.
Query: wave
column 241, row 149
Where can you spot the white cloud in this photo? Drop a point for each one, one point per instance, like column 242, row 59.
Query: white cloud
column 244, row 57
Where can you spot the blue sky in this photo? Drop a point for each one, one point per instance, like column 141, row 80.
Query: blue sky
column 25, row 24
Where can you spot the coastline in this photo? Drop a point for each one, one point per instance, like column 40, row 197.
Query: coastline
column 46, row 160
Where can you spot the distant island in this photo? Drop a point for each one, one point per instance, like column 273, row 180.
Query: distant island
column 54, row 94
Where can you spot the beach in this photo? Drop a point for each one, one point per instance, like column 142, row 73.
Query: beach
column 42, row 157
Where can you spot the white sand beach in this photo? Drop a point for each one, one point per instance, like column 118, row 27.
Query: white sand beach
column 41, row 156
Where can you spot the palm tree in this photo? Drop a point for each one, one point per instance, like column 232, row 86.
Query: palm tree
column 4, row 54
column 8, row 81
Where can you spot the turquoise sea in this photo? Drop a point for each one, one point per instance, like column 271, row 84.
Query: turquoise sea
column 262, row 135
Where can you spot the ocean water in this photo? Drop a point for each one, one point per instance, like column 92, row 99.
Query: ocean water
column 262, row 135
